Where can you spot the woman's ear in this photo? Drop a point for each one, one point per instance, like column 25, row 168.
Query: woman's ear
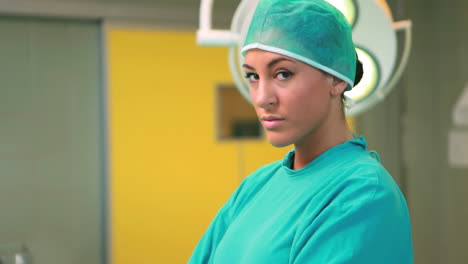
column 338, row 86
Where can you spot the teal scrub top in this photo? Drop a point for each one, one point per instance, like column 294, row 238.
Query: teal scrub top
column 343, row 207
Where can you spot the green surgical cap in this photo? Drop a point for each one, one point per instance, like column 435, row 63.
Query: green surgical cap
column 311, row 31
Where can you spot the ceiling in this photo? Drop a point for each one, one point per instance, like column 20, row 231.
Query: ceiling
column 184, row 13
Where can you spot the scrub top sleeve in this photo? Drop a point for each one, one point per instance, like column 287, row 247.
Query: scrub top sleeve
column 365, row 221
column 207, row 245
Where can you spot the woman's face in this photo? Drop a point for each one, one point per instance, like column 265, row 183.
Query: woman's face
column 291, row 98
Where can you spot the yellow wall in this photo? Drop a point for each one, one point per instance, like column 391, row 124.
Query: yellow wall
column 169, row 172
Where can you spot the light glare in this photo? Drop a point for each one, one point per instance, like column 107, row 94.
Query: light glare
column 369, row 79
column 346, row 7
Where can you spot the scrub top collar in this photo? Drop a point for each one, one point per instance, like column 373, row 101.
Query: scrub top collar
column 350, row 146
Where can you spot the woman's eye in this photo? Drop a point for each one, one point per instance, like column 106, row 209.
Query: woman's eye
column 251, row 76
column 283, row 75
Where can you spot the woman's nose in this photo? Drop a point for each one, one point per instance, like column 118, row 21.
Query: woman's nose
column 264, row 95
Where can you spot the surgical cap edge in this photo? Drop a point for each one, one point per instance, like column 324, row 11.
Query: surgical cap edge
column 299, row 58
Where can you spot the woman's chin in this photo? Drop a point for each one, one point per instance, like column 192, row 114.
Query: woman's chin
column 278, row 141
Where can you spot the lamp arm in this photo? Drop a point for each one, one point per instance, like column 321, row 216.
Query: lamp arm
column 206, row 9
column 406, row 26
column 206, row 36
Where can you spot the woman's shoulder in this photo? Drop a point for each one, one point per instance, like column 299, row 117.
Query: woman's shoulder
column 364, row 181
column 367, row 167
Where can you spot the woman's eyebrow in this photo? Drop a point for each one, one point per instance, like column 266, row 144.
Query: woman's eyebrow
column 275, row 61
column 270, row 64
column 248, row 67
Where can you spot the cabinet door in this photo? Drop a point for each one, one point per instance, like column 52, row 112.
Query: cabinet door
column 52, row 173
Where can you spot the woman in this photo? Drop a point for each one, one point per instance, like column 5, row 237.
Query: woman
column 329, row 200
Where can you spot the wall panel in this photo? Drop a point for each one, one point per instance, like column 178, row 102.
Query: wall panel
column 51, row 154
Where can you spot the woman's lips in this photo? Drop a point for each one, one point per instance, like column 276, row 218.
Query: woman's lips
column 271, row 122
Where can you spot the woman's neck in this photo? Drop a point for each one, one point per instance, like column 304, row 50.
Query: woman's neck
column 327, row 135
